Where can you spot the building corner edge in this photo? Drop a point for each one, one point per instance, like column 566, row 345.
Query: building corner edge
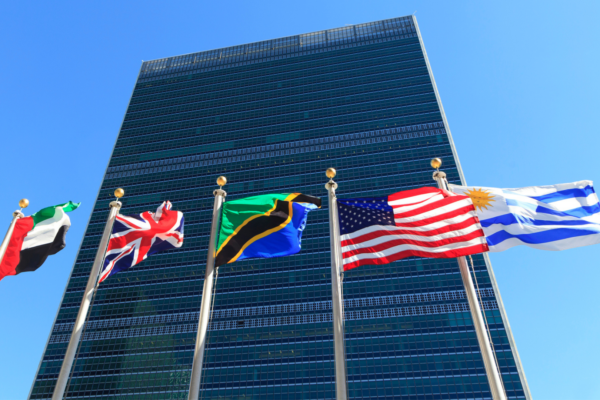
column 509, row 334
column 82, row 239
column 486, row 258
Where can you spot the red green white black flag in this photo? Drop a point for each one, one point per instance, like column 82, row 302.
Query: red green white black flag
column 35, row 238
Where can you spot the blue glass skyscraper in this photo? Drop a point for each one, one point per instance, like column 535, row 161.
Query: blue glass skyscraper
column 272, row 116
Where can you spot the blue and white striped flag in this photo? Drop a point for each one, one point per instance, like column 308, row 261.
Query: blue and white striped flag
column 556, row 217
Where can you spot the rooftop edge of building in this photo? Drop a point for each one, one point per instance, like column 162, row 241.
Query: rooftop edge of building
column 257, row 51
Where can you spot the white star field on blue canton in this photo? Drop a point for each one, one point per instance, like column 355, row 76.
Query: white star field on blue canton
column 356, row 214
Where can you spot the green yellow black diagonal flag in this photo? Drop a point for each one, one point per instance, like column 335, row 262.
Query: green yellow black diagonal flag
column 264, row 226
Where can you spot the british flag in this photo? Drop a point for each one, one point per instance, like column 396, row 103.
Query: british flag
column 135, row 237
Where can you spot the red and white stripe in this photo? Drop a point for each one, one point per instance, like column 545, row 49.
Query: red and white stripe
column 430, row 222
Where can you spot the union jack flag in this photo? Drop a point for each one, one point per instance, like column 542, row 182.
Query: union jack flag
column 135, row 237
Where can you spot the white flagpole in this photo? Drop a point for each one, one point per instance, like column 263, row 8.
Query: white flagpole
column 65, row 369
column 341, row 378
column 23, row 203
column 206, row 293
column 491, row 371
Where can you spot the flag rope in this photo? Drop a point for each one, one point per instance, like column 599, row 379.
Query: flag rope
column 487, row 326
column 212, row 309
column 83, row 336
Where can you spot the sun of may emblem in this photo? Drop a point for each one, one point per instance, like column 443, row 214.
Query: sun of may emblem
column 480, row 198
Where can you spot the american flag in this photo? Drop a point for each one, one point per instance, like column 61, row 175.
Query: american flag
column 425, row 222
column 135, row 237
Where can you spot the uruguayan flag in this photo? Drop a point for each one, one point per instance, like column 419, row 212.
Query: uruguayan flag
column 556, row 217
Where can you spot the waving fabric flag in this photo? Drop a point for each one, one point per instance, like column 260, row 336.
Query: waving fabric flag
column 556, row 217
column 35, row 238
column 135, row 237
column 264, row 226
column 425, row 222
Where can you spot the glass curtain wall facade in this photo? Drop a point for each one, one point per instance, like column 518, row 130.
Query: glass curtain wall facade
column 272, row 117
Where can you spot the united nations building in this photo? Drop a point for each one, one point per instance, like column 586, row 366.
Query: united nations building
column 272, row 116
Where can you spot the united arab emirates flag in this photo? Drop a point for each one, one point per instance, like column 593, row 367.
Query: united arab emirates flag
column 264, row 226
column 35, row 238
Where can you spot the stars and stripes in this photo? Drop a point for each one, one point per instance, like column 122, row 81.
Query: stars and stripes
column 425, row 222
column 135, row 237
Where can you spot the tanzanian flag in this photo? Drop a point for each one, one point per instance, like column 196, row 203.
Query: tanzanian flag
column 264, row 226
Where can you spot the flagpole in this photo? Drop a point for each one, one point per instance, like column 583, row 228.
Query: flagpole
column 65, row 369
column 207, row 293
column 23, row 203
column 341, row 378
column 491, row 371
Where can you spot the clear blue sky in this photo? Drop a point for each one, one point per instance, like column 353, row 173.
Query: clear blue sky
column 518, row 80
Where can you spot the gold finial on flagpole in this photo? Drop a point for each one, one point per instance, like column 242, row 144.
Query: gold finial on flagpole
column 221, row 181
column 23, row 203
column 119, row 193
column 331, row 173
column 436, row 163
